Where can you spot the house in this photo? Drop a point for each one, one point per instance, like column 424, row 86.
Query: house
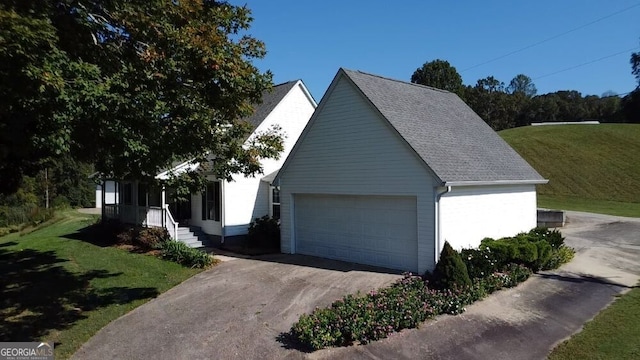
column 386, row 171
column 221, row 212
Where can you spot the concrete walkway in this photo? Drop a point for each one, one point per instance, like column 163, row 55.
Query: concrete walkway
column 238, row 309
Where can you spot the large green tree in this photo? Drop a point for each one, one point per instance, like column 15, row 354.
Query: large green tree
column 523, row 85
column 129, row 85
column 438, row 74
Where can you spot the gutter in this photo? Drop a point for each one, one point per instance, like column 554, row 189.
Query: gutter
column 438, row 195
column 496, row 182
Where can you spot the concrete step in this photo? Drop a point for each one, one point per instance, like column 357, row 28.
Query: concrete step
column 192, row 236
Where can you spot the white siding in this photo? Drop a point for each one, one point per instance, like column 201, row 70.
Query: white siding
column 246, row 198
column 208, row 226
column 469, row 214
column 350, row 149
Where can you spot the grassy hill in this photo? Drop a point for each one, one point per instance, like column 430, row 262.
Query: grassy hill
column 590, row 167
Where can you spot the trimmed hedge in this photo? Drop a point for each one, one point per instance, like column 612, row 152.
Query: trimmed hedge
column 450, row 270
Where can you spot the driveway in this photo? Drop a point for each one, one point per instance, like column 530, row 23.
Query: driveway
column 237, row 309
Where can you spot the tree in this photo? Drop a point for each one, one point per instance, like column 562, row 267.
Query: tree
column 438, row 74
column 129, row 86
column 490, row 101
column 522, row 84
column 635, row 66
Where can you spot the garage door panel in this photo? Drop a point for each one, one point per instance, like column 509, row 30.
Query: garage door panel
column 374, row 230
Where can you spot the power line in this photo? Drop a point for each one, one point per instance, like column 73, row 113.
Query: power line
column 586, row 63
column 552, row 37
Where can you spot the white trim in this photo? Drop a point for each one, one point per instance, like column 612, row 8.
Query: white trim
column 496, row 182
column 292, row 221
column 178, row 169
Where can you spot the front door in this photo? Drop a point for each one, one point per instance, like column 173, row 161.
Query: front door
column 180, row 208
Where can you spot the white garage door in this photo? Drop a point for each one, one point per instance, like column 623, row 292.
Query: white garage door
column 373, row 230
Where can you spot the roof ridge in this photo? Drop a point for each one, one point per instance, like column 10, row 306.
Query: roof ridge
column 287, row 82
column 400, row 81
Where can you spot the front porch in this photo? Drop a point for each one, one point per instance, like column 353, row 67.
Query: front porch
column 138, row 204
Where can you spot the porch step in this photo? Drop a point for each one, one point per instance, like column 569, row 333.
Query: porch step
column 193, row 236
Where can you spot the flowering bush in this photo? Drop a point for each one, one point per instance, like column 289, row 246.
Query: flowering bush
column 403, row 305
column 497, row 264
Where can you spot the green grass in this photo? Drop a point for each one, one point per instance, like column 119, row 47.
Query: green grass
column 612, row 334
column 60, row 284
column 593, row 168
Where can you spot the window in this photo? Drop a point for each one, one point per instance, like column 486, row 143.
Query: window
column 142, row 194
column 275, row 203
column 127, row 194
column 211, row 202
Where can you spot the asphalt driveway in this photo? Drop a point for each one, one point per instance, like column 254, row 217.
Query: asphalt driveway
column 238, row 309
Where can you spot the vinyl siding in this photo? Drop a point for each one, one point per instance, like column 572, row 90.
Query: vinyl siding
column 246, row 198
column 350, row 149
column 469, row 214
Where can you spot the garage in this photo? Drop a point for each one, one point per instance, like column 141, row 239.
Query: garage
column 373, row 230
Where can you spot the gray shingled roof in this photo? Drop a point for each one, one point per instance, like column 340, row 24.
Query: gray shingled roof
column 269, row 101
column 443, row 130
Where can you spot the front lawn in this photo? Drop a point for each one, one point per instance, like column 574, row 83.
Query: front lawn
column 612, row 334
column 60, row 284
column 616, row 208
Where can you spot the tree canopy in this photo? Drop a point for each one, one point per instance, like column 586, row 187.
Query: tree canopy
column 438, row 74
column 518, row 104
column 522, row 84
column 130, row 86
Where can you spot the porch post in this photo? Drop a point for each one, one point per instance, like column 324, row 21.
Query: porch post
column 135, row 201
column 162, row 205
column 103, row 196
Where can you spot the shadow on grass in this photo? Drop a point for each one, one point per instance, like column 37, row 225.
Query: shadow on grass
column 96, row 234
column 37, row 294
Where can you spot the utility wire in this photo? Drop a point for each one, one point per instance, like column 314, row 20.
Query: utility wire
column 586, row 63
column 552, row 37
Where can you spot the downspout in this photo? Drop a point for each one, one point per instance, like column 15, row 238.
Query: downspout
column 439, row 193
column 222, row 211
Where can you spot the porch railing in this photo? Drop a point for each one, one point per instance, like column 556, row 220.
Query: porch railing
column 170, row 223
column 154, row 216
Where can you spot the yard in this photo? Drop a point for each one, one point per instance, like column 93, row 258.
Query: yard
column 613, row 334
column 62, row 284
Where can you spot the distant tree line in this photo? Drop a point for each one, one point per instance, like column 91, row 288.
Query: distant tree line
column 517, row 104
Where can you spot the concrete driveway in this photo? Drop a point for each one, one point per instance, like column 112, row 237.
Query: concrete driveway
column 238, row 309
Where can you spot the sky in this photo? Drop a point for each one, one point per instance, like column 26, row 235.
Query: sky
column 311, row 40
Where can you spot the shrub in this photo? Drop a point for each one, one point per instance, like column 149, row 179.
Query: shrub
column 559, row 256
column 264, row 232
column 480, row 262
column 126, row 234
column 450, row 270
column 60, row 202
column 181, row 253
column 151, row 238
column 553, row 237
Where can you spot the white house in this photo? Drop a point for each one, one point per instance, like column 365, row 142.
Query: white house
column 386, row 171
column 223, row 211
